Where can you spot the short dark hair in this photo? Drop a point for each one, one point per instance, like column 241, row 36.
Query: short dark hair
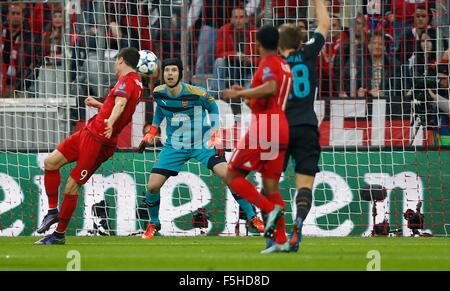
column 290, row 36
column 377, row 33
column 130, row 56
column 268, row 37
column 304, row 21
column 427, row 10
column 240, row 7
column 421, row 7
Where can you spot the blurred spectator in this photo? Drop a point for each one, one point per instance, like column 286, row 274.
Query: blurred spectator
column 404, row 10
column 302, row 25
column 441, row 97
column 236, row 55
column 121, row 28
column 96, row 46
column 235, row 52
column 334, row 46
column 39, row 15
column 402, row 15
column 373, row 70
column 122, row 18
column 214, row 14
column 284, row 11
column 51, row 80
column 375, row 20
column 165, row 22
column 411, row 38
column 442, row 18
column 52, row 41
column 423, row 61
column 388, row 27
column 19, row 52
column 361, row 30
column 117, row 37
column 374, row 14
column 342, row 60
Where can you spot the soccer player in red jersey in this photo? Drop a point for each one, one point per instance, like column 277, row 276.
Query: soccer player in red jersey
column 91, row 146
column 264, row 146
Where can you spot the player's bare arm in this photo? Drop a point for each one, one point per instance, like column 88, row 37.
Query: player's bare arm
column 323, row 18
column 119, row 106
column 92, row 102
column 265, row 90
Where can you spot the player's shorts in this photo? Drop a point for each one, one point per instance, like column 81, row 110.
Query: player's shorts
column 304, row 148
column 170, row 160
column 248, row 160
column 88, row 152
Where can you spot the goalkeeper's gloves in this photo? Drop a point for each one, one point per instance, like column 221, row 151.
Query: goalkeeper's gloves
column 216, row 141
column 148, row 138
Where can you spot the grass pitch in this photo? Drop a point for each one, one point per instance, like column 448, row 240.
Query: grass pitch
column 225, row 253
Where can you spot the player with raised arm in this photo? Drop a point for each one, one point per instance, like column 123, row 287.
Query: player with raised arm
column 91, row 146
column 264, row 146
column 189, row 135
column 304, row 135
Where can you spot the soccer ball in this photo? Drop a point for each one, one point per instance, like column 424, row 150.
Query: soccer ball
column 148, row 63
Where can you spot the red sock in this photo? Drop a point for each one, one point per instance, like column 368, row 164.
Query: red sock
column 280, row 233
column 68, row 206
column 247, row 190
column 52, row 179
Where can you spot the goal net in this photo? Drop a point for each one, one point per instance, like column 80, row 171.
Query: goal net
column 384, row 135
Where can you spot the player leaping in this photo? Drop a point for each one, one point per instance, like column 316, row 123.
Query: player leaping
column 91, row 146
column 188, row 136
column 264, row 146
column 304, row 144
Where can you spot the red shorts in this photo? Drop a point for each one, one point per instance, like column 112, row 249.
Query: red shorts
column 255, row 160
column 88, row 152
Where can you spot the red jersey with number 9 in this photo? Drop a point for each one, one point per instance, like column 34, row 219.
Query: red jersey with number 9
column 129, row 87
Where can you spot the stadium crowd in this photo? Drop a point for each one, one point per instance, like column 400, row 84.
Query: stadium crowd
column 386, row 47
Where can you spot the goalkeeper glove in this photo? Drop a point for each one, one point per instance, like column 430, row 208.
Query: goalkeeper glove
column 216, row 141
column 148, row 138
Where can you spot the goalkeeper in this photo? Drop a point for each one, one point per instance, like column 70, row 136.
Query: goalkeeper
column 188, row 136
